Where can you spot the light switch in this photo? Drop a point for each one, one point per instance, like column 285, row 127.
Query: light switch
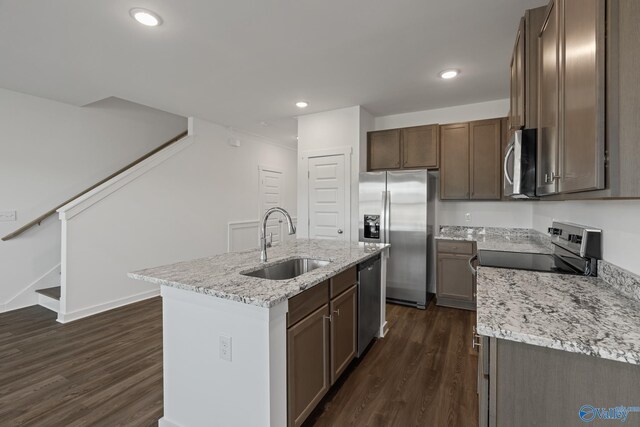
column 467, row 217
column 7, row 216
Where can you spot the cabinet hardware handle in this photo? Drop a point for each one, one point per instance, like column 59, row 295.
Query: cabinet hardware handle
column 337, row 312
column 329, row 318
column 475, row 344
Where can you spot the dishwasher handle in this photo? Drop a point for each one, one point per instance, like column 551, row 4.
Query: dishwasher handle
column 473, row 271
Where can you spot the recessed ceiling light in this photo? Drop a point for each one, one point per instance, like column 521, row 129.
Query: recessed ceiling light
column 449, row 74
column 145, row 17
column 302, row 104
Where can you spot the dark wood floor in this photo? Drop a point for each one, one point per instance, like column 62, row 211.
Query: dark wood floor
column 423, row 373
column 106, row 370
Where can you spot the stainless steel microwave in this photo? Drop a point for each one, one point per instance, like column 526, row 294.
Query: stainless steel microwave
column 520, row 165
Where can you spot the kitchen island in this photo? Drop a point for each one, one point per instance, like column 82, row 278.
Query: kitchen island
column 225, row 332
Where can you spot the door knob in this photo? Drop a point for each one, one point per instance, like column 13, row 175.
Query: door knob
column 339, row 231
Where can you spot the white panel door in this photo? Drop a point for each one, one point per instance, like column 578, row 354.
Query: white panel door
column 326, row 198
column 270, row 196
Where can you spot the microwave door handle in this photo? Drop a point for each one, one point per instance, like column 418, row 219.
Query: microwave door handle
column 506, row 161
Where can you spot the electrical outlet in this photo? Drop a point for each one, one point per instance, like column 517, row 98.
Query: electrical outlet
column 7, row 216
column 467, row 217
column 225, row 348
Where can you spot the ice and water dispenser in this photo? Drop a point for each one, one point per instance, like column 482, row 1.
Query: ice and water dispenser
column 372, row 226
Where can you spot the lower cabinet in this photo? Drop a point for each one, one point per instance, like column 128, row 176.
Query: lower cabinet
column 344, row 331
column 456, row 285
column 322, row 339
column 527, row 385
column 308, row 364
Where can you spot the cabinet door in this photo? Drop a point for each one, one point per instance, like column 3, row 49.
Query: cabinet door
column 420, row 147
column 518, row 79
column 308, row 364
column 454, row 161
column 486, row 161
column 583, row 93
column 548, row 103
column 384, row 149
column 455, row 281
column 344, row 331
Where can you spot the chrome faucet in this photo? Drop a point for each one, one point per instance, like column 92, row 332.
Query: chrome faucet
column 264, row 244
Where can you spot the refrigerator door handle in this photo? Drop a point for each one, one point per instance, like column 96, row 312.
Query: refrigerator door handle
column 383, row 218
column 387, row 218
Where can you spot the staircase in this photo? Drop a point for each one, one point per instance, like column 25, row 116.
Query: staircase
column 50, row 298
column 54, row 297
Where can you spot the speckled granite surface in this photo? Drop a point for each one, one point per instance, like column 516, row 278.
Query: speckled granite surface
column 499, row 239
column 624, row 281
column 572, row 313
column 220, row 275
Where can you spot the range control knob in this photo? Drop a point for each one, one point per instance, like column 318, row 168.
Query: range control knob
column 555, row 231
column 574, row 238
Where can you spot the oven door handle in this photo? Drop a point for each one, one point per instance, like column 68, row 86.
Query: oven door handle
column 506, row 162
column 471, row 269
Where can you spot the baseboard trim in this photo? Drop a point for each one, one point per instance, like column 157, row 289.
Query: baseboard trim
column 384, row 329
column 164, row 422
column 96, row 309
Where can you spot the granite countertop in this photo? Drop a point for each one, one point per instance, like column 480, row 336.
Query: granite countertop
column 499, row 239
column 220, row 275
column 573, row 313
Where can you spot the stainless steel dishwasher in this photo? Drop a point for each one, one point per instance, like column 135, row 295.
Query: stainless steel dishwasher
column 368, row 302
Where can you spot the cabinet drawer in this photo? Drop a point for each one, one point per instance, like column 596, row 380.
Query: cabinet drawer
column 343, row 281
column 455, row 247
column 307, row 302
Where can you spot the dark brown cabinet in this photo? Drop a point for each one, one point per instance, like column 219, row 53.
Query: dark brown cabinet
column 420, row 148
column 524, row 72
column 308, row 364
column 408, row 148
column 454, row 161
column 384, row 151
column 321, row 341
column 486, row 159
column 456, row 285
column 471, row 161
column 344, row 331
column 571, row 145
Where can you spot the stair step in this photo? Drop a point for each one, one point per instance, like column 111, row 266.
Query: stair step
column 51, row 292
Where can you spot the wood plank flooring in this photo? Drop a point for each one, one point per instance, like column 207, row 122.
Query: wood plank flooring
column 106, row 370
column 423, row 373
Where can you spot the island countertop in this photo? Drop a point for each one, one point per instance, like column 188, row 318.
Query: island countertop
column 220, row 276
column 564, row 312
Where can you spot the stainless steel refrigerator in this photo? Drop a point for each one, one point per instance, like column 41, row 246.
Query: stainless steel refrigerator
column 398, row 208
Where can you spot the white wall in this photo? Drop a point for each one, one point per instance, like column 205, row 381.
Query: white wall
column 346, row 127
column 460, row 113
column 618, row 220
column 178, row 210
column 51, row 151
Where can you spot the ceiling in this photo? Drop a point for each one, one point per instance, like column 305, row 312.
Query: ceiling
column 244, row 64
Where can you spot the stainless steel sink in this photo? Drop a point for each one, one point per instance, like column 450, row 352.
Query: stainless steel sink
column 287, row 269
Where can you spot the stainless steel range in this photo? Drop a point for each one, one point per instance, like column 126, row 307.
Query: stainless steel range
column 577, row 249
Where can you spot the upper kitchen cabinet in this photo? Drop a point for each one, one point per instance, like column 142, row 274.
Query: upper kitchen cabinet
column 485, row 162
column 407, row 148
column 420, row 148
column 384, row 150
column 470, row 164
column 454, row 162
column 524, row 72
column 571, row 97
